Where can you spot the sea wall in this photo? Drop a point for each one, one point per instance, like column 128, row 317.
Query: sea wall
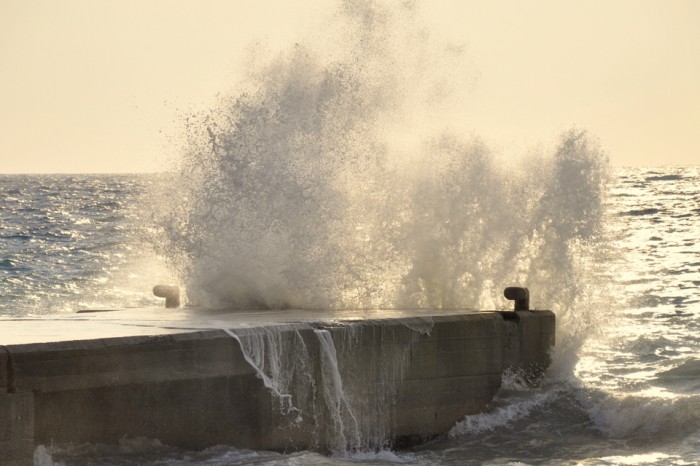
column 328, row 386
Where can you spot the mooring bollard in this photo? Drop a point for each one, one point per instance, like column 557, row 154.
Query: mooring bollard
column 171, row 293
column 521, row 296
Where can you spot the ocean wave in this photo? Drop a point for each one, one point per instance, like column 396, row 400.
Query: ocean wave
column 664, row 178
column 643, row 416
column 640, row 212
column 508, row 410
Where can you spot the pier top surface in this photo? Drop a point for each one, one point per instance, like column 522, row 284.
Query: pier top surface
column 89, row 325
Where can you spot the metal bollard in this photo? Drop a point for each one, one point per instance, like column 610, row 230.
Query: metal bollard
column 171, row 293
column 521, row 296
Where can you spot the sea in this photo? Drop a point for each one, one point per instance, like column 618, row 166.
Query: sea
column 630, row 393
column 347, row 172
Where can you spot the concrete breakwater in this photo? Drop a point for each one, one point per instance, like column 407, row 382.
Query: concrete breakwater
column 308, row 383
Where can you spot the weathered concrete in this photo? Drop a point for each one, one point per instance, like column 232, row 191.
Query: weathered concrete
column 345, row 384
column 17, row 428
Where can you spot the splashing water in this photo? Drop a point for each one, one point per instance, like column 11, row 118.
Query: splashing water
column 332, row 180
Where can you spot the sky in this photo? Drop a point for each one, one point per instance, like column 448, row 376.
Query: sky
column 101, row 86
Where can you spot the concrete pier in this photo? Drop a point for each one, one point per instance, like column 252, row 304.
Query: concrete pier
column 278, row 380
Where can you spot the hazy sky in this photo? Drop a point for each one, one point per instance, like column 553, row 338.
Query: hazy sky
column 98, row 86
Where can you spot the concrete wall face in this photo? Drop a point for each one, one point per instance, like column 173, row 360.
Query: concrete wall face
column 17, row 429
column 529, row 341
column 323, row 386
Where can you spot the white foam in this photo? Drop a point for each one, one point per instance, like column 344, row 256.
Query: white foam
column 502, row 416
column 42, row 457
column 385, row 456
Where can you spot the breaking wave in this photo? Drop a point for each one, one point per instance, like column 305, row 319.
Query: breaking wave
column 335, row 177
column 326, row 183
